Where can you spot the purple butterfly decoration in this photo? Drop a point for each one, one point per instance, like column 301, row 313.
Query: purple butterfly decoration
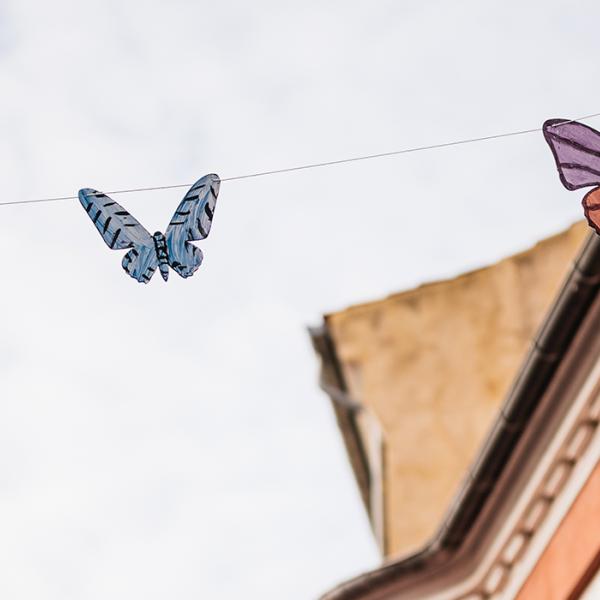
column 576, row 150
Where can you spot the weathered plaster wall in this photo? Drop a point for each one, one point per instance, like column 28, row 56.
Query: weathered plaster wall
column 433, row 364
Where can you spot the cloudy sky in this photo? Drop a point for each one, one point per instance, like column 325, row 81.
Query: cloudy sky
column 170, row 441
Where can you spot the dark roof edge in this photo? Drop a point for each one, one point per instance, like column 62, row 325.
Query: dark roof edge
column 333, row 383
column 548, row 349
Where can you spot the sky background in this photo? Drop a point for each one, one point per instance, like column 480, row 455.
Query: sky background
column 170, row 441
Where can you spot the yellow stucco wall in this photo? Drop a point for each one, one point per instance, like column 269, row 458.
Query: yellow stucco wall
column 434, row 364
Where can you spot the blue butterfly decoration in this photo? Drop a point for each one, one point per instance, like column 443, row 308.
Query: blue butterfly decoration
column 191, row 222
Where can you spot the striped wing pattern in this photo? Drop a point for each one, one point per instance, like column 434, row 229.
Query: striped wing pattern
column 140, row 263
column 120, row 230
column 576, row 150
column 192, row 221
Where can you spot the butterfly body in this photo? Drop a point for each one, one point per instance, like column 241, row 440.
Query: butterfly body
column 191, row 222
column 162, row 255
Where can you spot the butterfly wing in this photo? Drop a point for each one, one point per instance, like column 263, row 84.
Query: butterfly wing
column 191, row 222
column 576, row 150
column 120, row 230
column 140, row 263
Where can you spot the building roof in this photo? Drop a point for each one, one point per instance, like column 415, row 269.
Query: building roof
column 556, row 359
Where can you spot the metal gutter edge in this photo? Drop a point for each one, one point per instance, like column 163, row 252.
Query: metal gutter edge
column 548, row 349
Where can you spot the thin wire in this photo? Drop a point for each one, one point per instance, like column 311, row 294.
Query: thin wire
column 319, row 164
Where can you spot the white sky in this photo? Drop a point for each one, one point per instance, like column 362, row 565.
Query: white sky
column 170, row 441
